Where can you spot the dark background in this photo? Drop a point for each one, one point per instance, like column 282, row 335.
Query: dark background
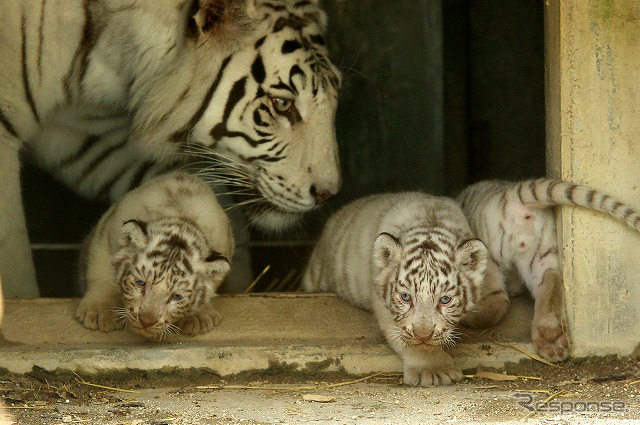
column 436, row 94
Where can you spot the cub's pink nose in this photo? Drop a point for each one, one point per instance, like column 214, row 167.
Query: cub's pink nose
column 423, row 335
column 147, row 321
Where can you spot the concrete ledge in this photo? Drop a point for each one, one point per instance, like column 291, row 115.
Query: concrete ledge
column 297, row 333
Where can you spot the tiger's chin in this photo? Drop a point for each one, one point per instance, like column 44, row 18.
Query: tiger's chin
column 273, row 219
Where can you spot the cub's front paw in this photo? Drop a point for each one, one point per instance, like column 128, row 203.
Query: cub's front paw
column 201, row 322
column 97, row 316
column 549, row 338
column 431, row 378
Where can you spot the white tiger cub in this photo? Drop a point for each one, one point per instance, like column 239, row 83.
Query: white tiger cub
column 520, row 232
column 411, row 258
column 156, row 258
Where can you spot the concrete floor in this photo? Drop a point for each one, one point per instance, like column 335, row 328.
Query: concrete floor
column 279, row 342
column 292, row 332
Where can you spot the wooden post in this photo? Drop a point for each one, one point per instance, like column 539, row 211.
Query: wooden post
column 592, row 50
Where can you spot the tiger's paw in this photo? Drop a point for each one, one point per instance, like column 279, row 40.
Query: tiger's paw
column 201, row 322
column 549, row 338
column 431, row 378
column 96, row 315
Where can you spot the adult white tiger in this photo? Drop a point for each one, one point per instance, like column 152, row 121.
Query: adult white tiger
column 250, row 78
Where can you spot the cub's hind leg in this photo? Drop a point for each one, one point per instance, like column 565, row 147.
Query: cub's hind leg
column 547, row 329
column 16, row 264
column 494, row 300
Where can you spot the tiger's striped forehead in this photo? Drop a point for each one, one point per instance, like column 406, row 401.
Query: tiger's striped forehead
column 296, row 36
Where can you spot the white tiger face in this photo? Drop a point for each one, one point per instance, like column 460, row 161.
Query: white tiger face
column 429, row 282
column 164, row 276
column 272, row 116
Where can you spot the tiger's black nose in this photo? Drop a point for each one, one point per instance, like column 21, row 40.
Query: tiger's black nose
column 320, row 196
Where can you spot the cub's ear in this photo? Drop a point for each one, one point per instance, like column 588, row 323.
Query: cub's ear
column 207, row 16
column 134, row 232
column 217, row 263
column 471, row 258
column 386, row 251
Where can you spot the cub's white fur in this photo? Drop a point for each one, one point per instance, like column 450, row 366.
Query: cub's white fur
column 157, row 257
column 411, row 258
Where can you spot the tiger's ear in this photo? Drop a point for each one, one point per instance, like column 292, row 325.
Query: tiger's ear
column 217, row 263
column 134, row 232
column 386, row 250
column 207, row 16
column 471, row 258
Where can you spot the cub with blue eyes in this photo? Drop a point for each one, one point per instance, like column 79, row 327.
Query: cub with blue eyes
column 411, row 259
column 155, row 260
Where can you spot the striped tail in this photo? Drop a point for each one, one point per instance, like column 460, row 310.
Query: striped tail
column 548, row 192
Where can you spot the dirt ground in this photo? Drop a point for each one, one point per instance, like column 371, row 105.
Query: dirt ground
column 608, row 389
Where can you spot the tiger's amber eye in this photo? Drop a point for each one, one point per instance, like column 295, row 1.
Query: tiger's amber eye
column 281, row 104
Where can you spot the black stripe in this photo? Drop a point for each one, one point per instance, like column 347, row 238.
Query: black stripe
column 302, row 4
column 520, row 186
column 628, row 212
column 257, row 70
column 260, row 42
column 265, row 158
column 100, row 158
column 317, row 39
column 533, row 186
column 257, row 119
column 235, row 95
column 86, row 145
column 139, row 175
column 41, row 34
column 262, row 133
column 181, row 135
column 25, row 72
column 290, row 46
column 7, row 124
column 274, row 7
column 265, row 108
column 89, row 38
column 296, row 70
column 220, row 130
column 105, row 191
column 283, row 86
column 78, row 52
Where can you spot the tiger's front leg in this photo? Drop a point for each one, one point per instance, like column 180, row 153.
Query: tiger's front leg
column 16, row 265
column 428, row 367
column 547, row 329
column 201, row 321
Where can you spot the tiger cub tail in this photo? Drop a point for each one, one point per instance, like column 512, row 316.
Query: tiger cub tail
column 549, row 192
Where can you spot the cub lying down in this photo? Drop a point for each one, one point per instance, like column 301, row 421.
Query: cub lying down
column 411, row 258
column 155, row 259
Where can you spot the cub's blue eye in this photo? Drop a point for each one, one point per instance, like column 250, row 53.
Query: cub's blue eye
column 405, row 297
column 445, row 299
column 177, row 297
column 139, row 282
